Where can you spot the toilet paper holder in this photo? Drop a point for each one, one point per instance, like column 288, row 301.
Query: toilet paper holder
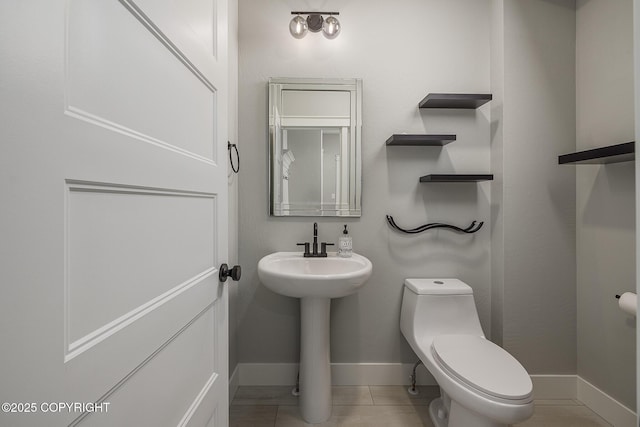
column 628, row 303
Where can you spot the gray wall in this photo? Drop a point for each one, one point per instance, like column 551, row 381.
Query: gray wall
column 497, row 147
column 605, row 217
column 533, row 206
column 424, row 46
column 532, row 122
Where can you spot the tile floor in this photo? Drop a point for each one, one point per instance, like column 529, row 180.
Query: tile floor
column 383, row 406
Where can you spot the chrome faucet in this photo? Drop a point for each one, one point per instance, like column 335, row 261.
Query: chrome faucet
column 314, row 252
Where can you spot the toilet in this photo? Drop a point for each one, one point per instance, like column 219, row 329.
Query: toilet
column 481, row 384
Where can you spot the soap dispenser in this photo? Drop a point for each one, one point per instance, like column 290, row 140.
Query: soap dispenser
column 345, row 244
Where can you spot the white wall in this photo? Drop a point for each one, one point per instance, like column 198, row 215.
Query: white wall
column 533, row 205
column 402, row 50
column 605, row 217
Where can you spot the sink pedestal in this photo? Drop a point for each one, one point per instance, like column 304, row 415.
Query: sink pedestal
column 315, row 369
column 315, row 281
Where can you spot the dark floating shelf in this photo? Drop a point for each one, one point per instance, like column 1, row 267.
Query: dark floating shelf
column 455, row 100
column 456, row 178
column 624, row 152
column 425, row 140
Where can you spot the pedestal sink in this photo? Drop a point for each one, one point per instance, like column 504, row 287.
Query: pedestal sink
column 315, row 281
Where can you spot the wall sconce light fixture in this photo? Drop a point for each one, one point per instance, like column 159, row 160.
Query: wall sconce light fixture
column 314, row 22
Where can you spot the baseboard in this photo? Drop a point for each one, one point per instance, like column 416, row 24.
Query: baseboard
column 234, row 383
column 378, row 374
column 267, row 373
column 545, row 387
column 554, row 387
column 604, row 405
column 341, row 374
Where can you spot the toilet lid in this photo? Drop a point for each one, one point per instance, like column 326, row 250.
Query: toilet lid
column 483, row 365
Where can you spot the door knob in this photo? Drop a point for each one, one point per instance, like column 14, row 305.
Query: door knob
column 225, row 272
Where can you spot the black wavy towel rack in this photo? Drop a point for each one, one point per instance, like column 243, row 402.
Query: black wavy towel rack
column 472, row 228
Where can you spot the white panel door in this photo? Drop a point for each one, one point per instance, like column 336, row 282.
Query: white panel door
column 113, row 217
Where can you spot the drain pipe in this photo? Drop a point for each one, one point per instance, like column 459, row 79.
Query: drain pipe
column 414, row 377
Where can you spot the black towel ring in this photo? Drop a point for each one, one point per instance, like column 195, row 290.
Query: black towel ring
column 237, row 167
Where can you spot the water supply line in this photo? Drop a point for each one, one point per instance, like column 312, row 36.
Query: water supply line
column 296, row 389
column 414, row 378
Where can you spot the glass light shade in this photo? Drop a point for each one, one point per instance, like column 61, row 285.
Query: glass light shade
column 331, row 27
column 298, row 27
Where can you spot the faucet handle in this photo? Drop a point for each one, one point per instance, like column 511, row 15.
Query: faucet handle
column 306, row 247
column 323, row 247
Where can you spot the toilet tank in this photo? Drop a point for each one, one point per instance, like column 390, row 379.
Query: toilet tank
column 432, row 307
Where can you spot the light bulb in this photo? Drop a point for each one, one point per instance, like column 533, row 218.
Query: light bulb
column 298, row 27
column 331, row 27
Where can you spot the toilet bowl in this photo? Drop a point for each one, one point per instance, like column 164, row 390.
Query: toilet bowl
column 481, row 384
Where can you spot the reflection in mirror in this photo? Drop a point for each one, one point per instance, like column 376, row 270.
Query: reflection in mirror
column 315, row 154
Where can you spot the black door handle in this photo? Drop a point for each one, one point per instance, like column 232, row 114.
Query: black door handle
column 225, row 272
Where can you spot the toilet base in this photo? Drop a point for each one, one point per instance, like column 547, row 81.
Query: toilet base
column 438, row 413
column 458, row 416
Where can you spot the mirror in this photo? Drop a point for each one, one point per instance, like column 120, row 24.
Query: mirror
column 314, row 147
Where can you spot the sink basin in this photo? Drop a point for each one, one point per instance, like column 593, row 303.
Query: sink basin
column 315, row 281
column 290, row 274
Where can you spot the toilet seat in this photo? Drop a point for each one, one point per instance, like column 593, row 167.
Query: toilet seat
column 482, row 365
